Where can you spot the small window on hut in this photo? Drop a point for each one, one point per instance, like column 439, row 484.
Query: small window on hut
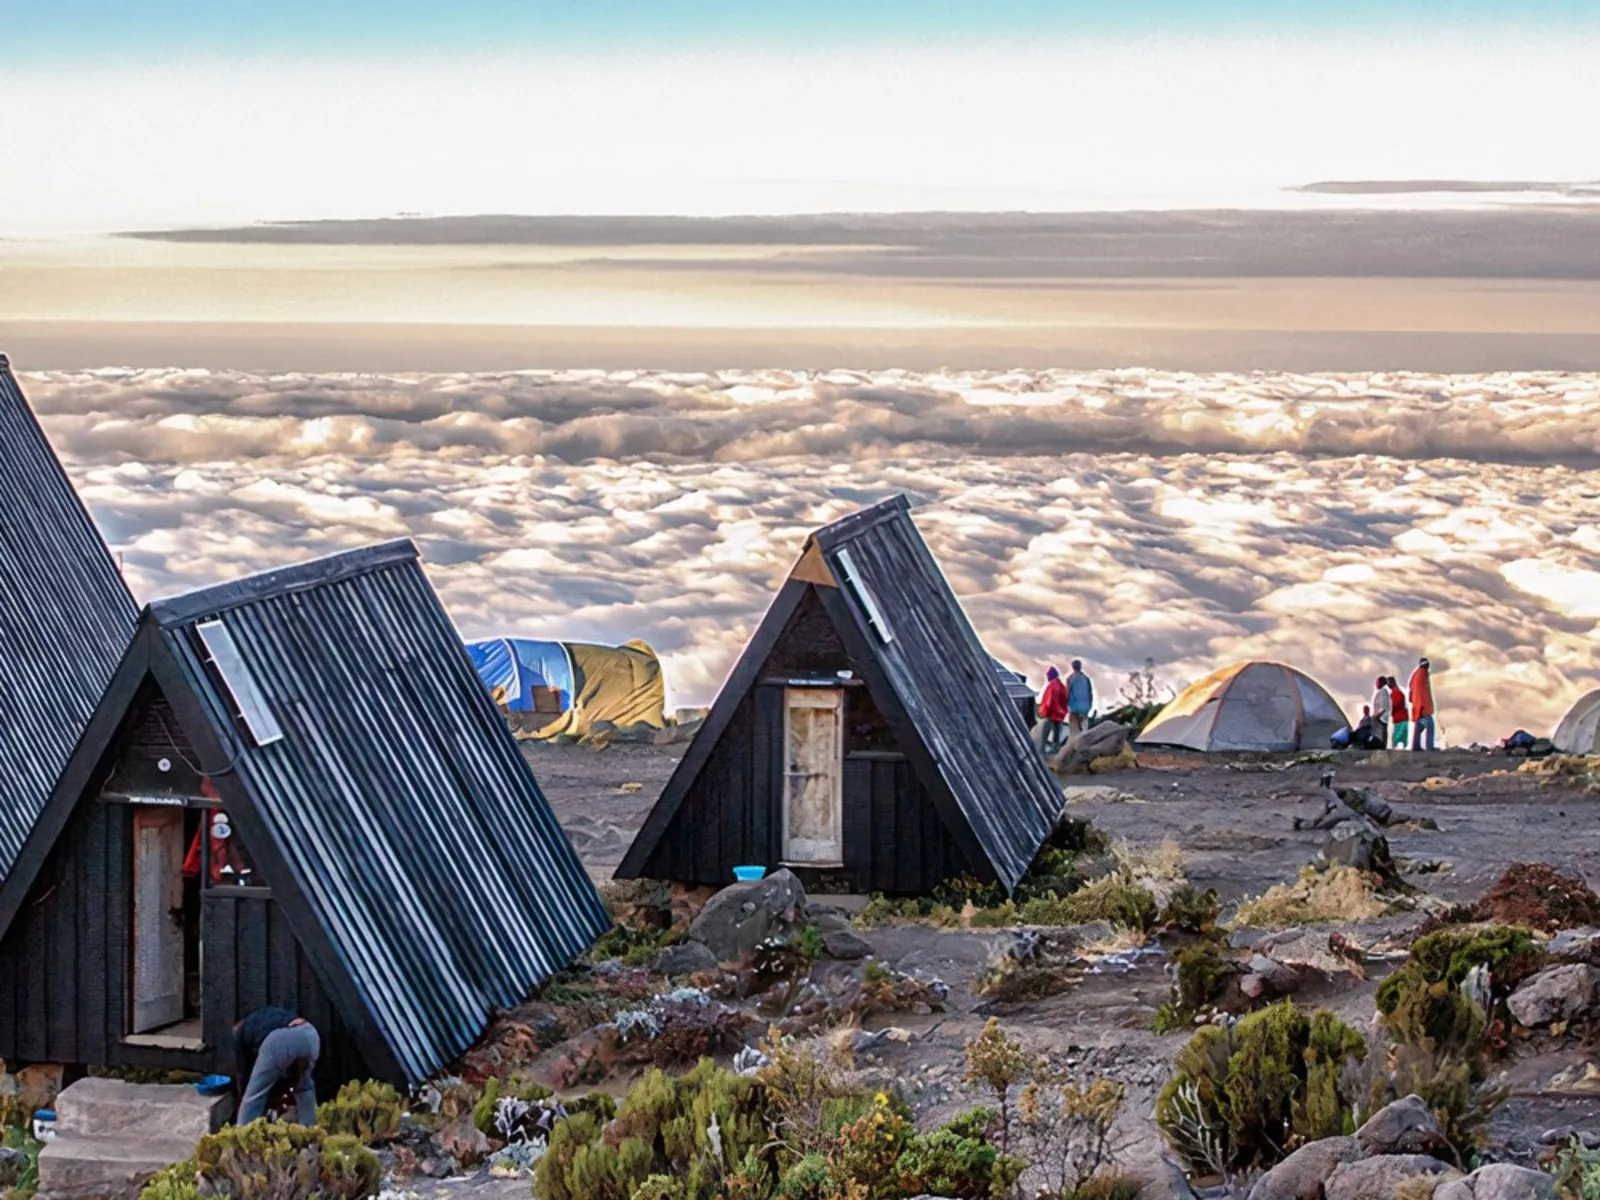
column 866, row 727
column 864, row 597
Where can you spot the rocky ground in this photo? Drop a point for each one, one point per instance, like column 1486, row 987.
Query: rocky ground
column 1234, row 822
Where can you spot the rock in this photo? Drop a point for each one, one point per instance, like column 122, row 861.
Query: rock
column 1380, row 1177
column 1499, row 1181
column 1165, row 1182
column 829, row 919
column 12, row 1164
column 1357, row 843
column 844, row 945
column 679, row 734
column 1560, row 993
column 1302, row 1174
column 743, row 915
column 1407, row 1126
column 1580, row 944
column 686, row 958
column 1105, row 740
column 463, row 1141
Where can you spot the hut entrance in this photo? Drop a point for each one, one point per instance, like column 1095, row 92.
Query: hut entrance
column 813, row 794
column 160, row 927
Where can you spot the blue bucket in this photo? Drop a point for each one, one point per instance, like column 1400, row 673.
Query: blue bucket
column 213, row 1085
column 747, row 874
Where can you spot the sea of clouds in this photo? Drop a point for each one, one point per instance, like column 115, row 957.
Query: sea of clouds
column 1343, row 523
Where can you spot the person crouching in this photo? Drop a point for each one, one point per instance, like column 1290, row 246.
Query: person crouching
column 273, row 1049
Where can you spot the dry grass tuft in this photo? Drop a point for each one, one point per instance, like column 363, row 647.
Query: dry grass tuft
column 1338, row 894
column 1161, row 863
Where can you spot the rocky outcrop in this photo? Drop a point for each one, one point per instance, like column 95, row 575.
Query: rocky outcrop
column 743, row 915
column 1499, row 1181
column 1407, row 1126
column 1380, row 1177
column 1563, row 993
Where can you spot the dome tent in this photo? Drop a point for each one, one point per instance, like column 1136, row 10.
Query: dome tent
column 1249, row 706
column 1579, row 731
column 550, row 689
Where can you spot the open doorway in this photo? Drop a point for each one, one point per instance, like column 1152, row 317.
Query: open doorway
column 165, row 916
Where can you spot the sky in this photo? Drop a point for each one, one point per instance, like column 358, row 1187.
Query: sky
column 175, row 112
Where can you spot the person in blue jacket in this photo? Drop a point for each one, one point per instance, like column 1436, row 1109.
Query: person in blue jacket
column 1080, row 698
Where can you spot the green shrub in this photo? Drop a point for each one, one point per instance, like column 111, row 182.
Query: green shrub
column 1189, row 910
column 1238, row 1098
column 1577, row 1172
column 494, row 1089
column 994, row 918
column 955, row 1160
column 367, row 1110
column 263, row 1161
column 809, row 1178
column 1439, row 1035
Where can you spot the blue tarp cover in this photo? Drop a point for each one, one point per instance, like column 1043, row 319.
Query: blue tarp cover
column 519, row 665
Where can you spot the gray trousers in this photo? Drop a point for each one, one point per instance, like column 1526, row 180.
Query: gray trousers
column 288, row 1055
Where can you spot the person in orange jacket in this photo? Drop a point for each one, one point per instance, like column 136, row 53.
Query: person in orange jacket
column 1053, row 712
column 1421, row 693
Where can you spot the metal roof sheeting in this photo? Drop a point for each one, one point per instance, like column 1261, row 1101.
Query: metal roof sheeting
column 406, row 815
column 947, row 682
column 65, row 618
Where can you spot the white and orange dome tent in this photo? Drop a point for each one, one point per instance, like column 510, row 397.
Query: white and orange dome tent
column 1249, row 706
column 1579, row 731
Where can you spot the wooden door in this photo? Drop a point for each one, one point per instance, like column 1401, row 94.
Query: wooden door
column 158, row 977
column 813, row 794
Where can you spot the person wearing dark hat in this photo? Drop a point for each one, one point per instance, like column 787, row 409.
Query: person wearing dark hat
column 1052, row 712
column 1421, row 694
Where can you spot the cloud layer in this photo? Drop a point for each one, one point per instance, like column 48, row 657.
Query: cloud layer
column 1345, row 524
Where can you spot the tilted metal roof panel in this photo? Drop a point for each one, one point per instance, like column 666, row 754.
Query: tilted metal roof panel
column 65, row 618
column 946, row 681
column 403, row 809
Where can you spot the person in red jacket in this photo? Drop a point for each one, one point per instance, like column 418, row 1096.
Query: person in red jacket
column 1421, row 689
column 1053, row 712
column 1399, row 714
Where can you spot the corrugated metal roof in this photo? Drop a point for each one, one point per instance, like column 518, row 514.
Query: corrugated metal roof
column 396, row 799
column 65, row 618
column 947, row 682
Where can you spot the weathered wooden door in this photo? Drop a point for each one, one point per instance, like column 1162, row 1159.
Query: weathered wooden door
column 158, row 852
column 813, row 794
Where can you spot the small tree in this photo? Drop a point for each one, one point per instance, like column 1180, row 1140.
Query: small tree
column 999, row 1063
column 1066, row 1130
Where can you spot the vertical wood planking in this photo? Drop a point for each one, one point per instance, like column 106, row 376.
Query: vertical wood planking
column 95, row 1013
column 251, row 947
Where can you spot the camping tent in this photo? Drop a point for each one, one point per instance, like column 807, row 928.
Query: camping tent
column 1249, row 706
column 1579, row 731
column 552, row 688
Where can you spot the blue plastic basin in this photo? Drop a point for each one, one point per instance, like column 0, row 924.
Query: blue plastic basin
column 749, row 873
column 213, row 1085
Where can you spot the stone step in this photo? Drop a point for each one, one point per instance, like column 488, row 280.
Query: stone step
column 96, row 1108
column 105, row 1168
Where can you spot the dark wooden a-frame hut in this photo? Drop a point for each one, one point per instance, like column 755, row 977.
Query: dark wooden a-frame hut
column 863, row 735
column 295, row 792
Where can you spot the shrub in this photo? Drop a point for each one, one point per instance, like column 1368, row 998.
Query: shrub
column 490, row 1115
column 1115, row 899
column 956, row 1160
column 994, row 918
column 1577, row 1172
column 1438, row 1031
column 1339, row 893
column 17, row 1137
column 1065, row 1129
column 368, row 1111
column 867, row 1150
column 263, row 1161
column 1189, row 910
column 1243, row 1097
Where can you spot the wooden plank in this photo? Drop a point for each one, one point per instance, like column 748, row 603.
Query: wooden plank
column 220, row 986
column 33, row 1009
column 283, row 962
column 908, row 805
column 252, row 949
column 61, row 957
column 94, row 1010
column 858, row 821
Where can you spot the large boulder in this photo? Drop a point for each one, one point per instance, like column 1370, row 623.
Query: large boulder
column 1561, row 993
column 1499, row 1181
column 1407, row 1126
column 1380, row 1177
column 1302, row 1174
column 743, row 915
column 1105, row 740
column 686, row 958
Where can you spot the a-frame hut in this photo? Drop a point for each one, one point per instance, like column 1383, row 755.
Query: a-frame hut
column 296, row 792
column 864, row 735
column 65, row 618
